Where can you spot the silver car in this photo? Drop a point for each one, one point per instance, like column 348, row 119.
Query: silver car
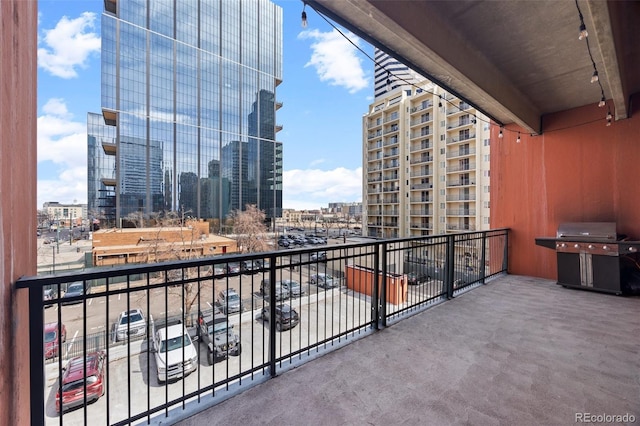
column 294, row 288
column 229, row 301
column 130, row 324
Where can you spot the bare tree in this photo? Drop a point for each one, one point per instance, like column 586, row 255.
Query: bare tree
column 159, row 249
column 249, row 227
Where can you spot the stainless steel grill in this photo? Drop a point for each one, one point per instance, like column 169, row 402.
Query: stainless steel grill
column 588, row 255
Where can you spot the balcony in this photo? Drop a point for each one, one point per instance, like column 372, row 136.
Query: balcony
column 461, row 197
column 461, row 167
column 461, row 212
column 461, row 152
column 461, row 138
column 460, row 182
column 538, row 352
column 330, row 314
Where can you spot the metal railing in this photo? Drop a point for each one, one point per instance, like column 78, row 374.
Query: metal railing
column 343, row 292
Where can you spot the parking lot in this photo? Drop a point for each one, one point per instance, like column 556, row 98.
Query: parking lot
column 322, row 315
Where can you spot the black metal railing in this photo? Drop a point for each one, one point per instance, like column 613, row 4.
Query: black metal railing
column 332, row 294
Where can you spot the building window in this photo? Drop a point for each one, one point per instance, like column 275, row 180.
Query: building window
column 487, row 142
column 442, row 137
column 487, row 189
column 442, row 206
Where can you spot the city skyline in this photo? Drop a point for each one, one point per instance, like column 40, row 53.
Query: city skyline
column 321, row 136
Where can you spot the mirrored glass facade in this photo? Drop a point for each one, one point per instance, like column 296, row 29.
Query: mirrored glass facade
column 189, row 91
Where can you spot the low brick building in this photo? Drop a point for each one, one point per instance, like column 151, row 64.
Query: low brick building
column 146, row 245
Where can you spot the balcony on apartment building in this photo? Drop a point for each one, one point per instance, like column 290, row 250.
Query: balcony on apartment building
column 421, row 212
column 461, row 182
column 461, row 197
column 421, row 146
column 422, row 185
column 422, row 199
column 424, row 105
column 421, row 226
column 461, row 167
column 460, row 152
column 460, row 138
column 421, row 120
column 461, row 212
column 421, row 133
column 456, row 109
column 467, row 323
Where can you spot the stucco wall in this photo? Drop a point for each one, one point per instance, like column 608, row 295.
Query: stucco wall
column 18, row 66
column 573, row 172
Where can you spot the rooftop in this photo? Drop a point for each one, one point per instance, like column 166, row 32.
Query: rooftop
column 519, row 350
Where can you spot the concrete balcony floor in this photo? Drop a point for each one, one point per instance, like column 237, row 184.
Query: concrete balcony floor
column 518, row 351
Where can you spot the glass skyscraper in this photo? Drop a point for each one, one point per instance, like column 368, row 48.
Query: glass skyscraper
column 189, row 93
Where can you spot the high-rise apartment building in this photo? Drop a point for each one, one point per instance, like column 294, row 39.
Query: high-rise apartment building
column 188, row 109
column 426, row 164
column 390, row 74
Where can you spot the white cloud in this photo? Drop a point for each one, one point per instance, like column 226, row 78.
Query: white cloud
column 62, row 143
column 335, row 59
column 313, row 188
column 68, row 45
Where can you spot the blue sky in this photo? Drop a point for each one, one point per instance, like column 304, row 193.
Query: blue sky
column 327, row 87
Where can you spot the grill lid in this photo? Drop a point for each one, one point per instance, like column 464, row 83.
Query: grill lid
column 587, row 231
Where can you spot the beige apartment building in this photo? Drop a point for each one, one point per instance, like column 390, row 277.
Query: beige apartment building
column 426, row 164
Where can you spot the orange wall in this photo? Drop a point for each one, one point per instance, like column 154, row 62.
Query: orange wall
column 18, row 144
column 573, row 172
column 360, row 280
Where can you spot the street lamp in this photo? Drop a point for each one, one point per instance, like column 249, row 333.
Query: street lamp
column 53, row 249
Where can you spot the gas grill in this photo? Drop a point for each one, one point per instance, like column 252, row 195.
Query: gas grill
column 589, row 255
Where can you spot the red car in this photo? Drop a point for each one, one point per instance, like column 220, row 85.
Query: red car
column 52, row 340
column 73, row 381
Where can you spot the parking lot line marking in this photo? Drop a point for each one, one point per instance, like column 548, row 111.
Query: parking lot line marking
column 90, row 300
column 71, row 344
column 210, row 305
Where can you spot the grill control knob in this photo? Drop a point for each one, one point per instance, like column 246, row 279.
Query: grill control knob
column 633, row 249
column 591, row 247
column 576, row 246
column 605, row 247
column 560, row 245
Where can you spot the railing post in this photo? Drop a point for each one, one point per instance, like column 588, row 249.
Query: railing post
column 505, row 258
column 36, row 354
column 483, row 272
column 272, row 315
column 374, row 291
column 382, row 286
column 449, row 265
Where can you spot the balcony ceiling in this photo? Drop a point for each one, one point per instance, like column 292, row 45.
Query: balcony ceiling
column 514, row 60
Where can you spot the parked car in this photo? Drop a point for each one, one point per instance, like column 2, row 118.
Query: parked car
column 414, row 278
column 284, row 243
column 323, row 280
column 294, row 288
column 74, row 289
column 215, row 331
column 286, row 316
column 229, row 301
column 219, row 270
column 233, row 267
column 48, row 294
column 53, row 339
column 249, row 266
column 320, row 256
column 281, row 292
column 87, row 369
column 130, row 324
